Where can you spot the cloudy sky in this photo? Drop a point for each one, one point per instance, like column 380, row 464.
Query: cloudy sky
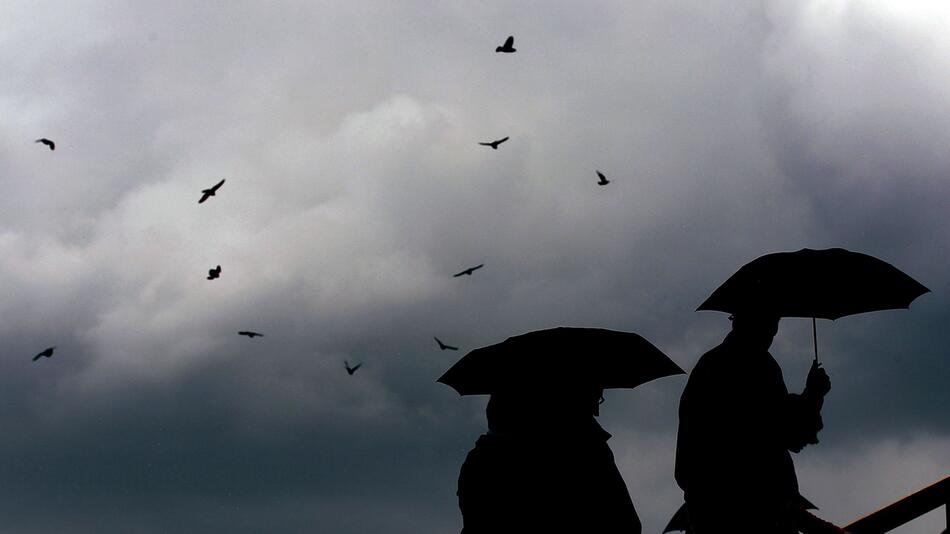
column 347, row 132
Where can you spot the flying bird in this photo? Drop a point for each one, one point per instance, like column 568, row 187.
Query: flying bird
column 351, row 370
column 249, row 334
column 45, row 354
column 494, row 144
column 47, row 142
column 603, row 179
column 443, row 346
column 508, row 47
column 205, row 193
column 214, row 273
column 469, row 271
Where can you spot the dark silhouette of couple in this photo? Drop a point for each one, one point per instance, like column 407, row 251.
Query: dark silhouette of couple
column 544, row 465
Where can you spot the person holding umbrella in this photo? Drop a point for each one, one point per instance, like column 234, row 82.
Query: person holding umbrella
column 737, row 421
column 544, row 465
column 737, row 424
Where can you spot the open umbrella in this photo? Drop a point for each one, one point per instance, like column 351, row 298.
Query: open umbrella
column 825, row 284
column 563, row 357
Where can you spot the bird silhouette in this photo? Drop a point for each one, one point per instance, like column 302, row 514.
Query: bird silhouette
column 603, row 179
column 206, row 193
column 214, row 273
column 494, row 144
column 351, row 370
column 508, row 47
column 469, row 271
column 47, row 142
column 443, row 346
column 48, row 353
column 249, row 334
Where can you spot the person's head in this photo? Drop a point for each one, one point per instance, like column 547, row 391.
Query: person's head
column 584, row 401
column 756, row 328
column 510, row 409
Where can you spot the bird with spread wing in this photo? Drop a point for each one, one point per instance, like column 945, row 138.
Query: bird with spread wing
column 443, row 346
column 508, row 47
column 494, row 144
column 351, row 370
column 249, row 334
column 207, row 193
column 469, row 271
column 47, row 142
column 48, row 353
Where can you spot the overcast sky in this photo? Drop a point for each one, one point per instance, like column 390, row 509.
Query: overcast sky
column 347, row 133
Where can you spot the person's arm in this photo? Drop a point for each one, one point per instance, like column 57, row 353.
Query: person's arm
column 817, row 385
column 803, row 412
column 802, row 422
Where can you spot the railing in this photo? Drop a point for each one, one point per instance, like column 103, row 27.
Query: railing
column 905, row 510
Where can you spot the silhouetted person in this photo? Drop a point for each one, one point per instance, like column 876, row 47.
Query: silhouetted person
column 737, row 424
column 47, row 353
column 351, row 370
column 494, row 144
column 603, row 179
column 469, row 271
column 47, row 142
column 249, row 334
column 443, row 346
column 206, row 193
column 214, row 273
column 544, row 466
column 508, row 47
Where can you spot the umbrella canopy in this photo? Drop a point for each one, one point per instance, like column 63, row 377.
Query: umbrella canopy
column 560, row 358
column 826, row 284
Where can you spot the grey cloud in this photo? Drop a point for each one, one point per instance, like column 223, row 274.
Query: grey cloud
column 355, row 188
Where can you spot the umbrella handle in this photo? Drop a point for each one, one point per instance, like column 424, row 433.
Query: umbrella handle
column 814, row 333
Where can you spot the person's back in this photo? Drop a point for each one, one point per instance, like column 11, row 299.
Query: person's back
column 543, row 468
column 737, row 424
column 730, row 453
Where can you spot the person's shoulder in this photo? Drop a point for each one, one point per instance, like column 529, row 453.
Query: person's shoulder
column 715, row 358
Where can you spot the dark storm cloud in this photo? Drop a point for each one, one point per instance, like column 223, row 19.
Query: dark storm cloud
column 356, row 189
column 858, row 132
